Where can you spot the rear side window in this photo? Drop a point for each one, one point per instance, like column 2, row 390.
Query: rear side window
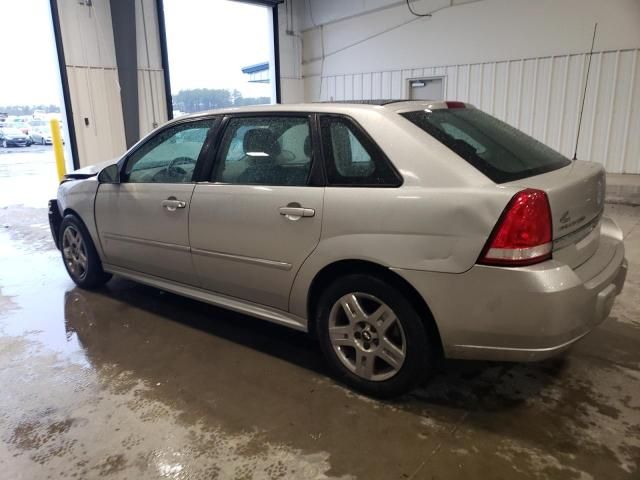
column 266, row 150
column 498, row 150
column 351, row 158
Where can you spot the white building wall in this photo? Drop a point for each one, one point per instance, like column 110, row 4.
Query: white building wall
column 87, row 36
column 93, row 79
column 152, row 101
column 290, row 38
column 524, row 61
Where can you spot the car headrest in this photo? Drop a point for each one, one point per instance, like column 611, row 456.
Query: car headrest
column 307, row 146
column 260, row 142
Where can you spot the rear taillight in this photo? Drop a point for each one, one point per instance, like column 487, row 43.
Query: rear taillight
column 522, row 236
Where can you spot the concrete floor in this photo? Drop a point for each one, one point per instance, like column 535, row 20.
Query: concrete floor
column 131, row 382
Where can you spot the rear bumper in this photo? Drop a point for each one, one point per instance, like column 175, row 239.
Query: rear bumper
column 524, row 314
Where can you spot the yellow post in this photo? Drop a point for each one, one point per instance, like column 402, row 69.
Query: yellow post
column 56, row 139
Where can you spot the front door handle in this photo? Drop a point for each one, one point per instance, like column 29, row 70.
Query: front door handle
column 172, row 204
column 297, row 212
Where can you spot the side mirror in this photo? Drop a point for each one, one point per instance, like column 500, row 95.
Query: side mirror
column 110, row 174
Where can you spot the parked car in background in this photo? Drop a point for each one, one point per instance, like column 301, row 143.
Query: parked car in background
column 19, row 123
column 12, row 137
column 40, row 132
column 41, row 135
column 395, row 233
column 18, row 126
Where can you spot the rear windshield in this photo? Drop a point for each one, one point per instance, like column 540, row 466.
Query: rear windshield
column 498, row 150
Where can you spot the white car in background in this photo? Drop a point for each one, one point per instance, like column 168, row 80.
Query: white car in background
column 41, row 132
column 41, row 135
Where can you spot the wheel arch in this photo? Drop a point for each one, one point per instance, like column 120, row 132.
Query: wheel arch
column 327, row 274
column 92, row 233
column 71, row 211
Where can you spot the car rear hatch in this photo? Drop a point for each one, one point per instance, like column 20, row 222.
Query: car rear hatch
column 511, row 158
column 576, row 199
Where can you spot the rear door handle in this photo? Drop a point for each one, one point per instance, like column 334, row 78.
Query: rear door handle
column 172, row 204
column 297, row 211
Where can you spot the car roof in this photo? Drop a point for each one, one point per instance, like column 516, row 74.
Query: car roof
column 346, row 107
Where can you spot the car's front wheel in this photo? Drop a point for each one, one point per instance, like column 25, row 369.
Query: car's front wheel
column 372, row 336
column 79, row 254
column 4, row 144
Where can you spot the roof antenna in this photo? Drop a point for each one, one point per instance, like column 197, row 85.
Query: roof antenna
column 584, row 93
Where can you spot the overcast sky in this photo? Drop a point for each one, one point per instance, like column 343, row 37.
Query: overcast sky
column 28, row 54
column 209, row 41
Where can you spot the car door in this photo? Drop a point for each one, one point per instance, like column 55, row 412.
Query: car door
column 259, row 216
column 143, row 221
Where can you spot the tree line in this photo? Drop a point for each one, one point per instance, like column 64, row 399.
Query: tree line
column 188, row 101
column 28, row 109
column 199, row 99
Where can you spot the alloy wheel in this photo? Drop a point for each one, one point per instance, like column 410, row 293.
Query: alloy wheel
column 74, row 252
column 367, row 336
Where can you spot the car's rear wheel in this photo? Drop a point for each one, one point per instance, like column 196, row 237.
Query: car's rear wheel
column 4, row 144
column 372, row 337
column 79, row 254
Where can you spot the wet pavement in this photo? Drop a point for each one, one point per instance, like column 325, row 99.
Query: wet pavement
column 131, row 382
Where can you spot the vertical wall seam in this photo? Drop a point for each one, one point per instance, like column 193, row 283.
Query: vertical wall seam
column 481, row 84
column 519, row 96
column 493, row 88
column 607, row 137
column 468, row 99
column 548, row 102
column 505, row 104
column 594, row 111
column 625, row 136
column 534, row 93
column 578, row 103
column 565, row 80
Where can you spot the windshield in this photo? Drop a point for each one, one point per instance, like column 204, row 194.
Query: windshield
column 498, row 150
column 11, row 131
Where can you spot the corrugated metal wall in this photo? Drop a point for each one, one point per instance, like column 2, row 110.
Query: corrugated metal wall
column 540, row 96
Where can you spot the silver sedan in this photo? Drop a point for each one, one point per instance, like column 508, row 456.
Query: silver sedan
column 394, row 233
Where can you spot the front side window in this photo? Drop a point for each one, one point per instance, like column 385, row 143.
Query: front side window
column 265, row 150
column 170, row 156
column 496, row 149
column 352, row 159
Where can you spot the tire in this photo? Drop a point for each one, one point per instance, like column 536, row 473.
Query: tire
column 79, row 254
column 42, row 141
column 359, row 359
column 4, row 144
